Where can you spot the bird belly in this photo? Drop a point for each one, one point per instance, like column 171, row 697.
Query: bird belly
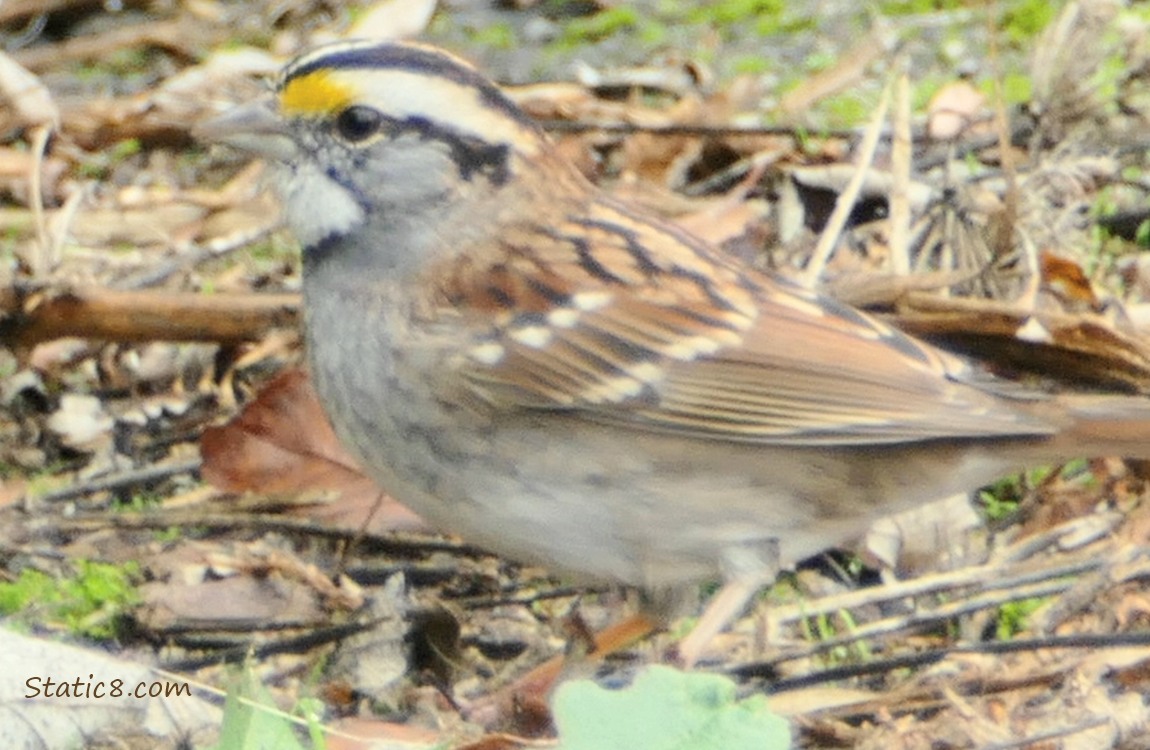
column 604, row 502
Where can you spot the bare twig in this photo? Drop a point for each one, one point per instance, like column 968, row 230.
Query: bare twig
column 846, row 199
column 629, row 128
column 31, row 318
column 17, row 10
column 398, row 542
column 900, row 181
column 120, row 480
column 170, row 35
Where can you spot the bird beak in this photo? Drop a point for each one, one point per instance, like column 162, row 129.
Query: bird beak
column 253, row 127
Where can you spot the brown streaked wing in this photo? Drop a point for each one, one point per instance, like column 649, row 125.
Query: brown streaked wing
column 655, row 332
column 813, row 371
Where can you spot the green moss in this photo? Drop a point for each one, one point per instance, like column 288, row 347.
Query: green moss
column 1000, row 500
column 92, row 170
column 499, row 36
column 129, row 60
column 1013, row 617
column 652, row 34
column 817, row 61
column 138, row 502
column 653, row 26
column 1023, row 20
column 784, row 590
column 750, row 64
column 997, row 505
column 91, row 602
column 168, row 535
column 1019, row 20
column 924, row 90
column 124, row 149
column 916, row 7
column 98, row 165
column 1108, row 78
column 88, row 72
column 727, row 12
column 1137, row 12
column 1142, row 234
column 846, row 110
column 49, row 477
column 121, row 62
column 271, row 255
column 1017, row 88
column 825, row 627
column 599, row 26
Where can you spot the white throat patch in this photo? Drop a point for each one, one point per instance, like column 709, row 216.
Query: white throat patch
column 317, row 207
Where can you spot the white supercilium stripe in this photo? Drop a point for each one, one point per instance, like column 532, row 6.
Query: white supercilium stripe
column 402, row 94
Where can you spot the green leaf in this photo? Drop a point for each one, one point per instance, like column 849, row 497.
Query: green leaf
column 248, row 725
column 665, row 709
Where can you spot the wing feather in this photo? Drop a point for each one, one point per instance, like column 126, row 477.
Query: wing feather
column 658, row 332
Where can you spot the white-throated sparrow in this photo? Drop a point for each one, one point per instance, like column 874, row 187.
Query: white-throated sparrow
column 567, row 379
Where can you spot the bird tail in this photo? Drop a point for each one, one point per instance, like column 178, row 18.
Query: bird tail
column 1096, row 426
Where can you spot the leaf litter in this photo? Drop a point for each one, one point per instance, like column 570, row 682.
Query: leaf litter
column 149, row 309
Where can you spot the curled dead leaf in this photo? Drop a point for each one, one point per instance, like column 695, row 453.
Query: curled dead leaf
column 282, row 443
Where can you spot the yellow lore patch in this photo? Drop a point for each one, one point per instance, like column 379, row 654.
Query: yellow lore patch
column 316, row 93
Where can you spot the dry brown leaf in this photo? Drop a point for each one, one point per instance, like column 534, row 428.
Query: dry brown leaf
column 724, row 221
column 354, row 733
column 807, row 701
column 953, row 109
column 679, row 77
column 26, row 96
column 552, row 101
column 17, row 165
column 165, row 114
column 393, row 19
column 659, row 158
column 236, row 602
column 1084, row 347
column 282, row 443
column 12, row 491
column 731, row 216
column 503, row 741
column 1066, row 280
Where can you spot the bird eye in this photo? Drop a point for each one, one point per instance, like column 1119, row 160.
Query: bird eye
column 358, row 123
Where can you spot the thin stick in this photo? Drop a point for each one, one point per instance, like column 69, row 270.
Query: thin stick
column 900, row 180
column 143, row 316
column 846, row 200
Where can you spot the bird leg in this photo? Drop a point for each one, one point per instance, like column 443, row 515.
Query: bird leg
column 747, row 569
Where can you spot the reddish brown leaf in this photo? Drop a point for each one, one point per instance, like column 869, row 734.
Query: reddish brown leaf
column 12, row 491
column 354, row 733
column 1067, row 281
column 282, row 443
